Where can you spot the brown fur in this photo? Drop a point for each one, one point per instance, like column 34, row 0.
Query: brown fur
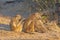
column 33, row 23
column 39, row 26
column 29, row 23
column 16, row 25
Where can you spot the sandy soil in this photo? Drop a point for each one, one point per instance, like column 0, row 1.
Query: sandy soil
column 9, row 35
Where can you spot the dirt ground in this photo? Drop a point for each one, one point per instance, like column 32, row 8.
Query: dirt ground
column 9, row 35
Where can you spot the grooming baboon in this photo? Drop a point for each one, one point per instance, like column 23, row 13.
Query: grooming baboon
column 16, row 23
column 31, row 24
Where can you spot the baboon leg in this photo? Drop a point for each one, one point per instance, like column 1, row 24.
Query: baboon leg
column 19, row 27
column 30, row 28
column 44, row 29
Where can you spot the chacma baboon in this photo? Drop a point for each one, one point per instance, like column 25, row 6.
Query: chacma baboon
column 16, row 23
column 29, row 23
column 33, row 23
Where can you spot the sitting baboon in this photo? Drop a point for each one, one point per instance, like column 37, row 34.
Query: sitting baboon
column 31, row 23
column 16, row 23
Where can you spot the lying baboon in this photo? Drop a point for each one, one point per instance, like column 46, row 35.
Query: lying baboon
column 31, row 24
column 16, row 23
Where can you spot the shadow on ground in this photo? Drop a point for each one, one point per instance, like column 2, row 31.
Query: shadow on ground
column 4, row 27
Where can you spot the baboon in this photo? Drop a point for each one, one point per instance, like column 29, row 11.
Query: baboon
column 28, row 26
column 16, row 23
column 31, row 23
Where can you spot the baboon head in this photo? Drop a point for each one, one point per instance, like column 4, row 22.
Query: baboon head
column 18, row 17
column 35, row 16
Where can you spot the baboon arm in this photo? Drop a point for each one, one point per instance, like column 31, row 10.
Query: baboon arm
column 29, row 22
column 20, row 24
column 43, row 25
column 14, row 24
